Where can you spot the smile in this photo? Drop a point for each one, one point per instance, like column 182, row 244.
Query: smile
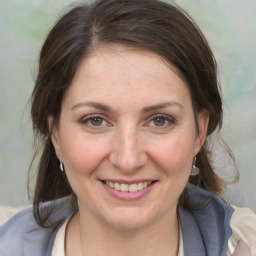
column 134, row 187
column 129, row 190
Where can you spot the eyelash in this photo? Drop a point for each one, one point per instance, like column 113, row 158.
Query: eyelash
column 86, row 121
column 168, row 121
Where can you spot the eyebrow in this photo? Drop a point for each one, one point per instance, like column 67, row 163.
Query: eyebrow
column 147, row 109
column 162, row 105
column 96, row 105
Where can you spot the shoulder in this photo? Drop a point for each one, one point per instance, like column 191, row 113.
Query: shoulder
column 222, row 228
column 6, row 212
column 21, row 235
column 243, row 225
column 205, row 223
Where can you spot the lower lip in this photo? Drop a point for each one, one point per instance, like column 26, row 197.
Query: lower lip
column 129, row 196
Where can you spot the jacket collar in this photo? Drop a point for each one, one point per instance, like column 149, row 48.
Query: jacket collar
column 205, row 225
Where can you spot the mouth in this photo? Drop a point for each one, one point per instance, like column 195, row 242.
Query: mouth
column 128, row 191
column 125, row 187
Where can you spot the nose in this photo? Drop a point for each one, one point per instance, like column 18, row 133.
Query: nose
column 128, row 154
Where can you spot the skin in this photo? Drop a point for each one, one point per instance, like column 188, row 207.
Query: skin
column 145, row 131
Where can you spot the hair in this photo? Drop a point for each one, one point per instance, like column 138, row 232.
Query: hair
column 152, row 25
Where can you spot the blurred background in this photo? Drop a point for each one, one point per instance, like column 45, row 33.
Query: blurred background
column 230, row 27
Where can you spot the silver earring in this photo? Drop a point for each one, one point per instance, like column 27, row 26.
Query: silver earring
column 194, row 169
column 61, row 167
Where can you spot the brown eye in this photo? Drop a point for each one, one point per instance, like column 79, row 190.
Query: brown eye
column 96, row 121
column 159, row 121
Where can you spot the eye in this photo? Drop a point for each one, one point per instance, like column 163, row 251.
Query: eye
column 94, row 122
column 161, row 121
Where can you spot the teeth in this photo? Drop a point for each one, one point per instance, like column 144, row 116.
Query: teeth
column 116, row 186
column 133, row 188
column 128, row 187
column 124, row 187
column 140, row 186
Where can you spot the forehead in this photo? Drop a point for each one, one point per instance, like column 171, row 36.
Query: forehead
column 127, row 72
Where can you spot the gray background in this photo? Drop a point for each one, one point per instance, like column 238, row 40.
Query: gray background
column 229, row 25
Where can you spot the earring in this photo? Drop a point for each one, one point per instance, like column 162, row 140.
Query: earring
column 194, row 169
column 61, row 167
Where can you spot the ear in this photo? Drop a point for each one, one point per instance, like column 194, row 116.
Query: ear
column 203, row 120
column 55, row 137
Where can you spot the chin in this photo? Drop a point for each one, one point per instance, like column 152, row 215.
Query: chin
column 128, row 219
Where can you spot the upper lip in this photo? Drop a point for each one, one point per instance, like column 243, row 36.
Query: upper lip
column 128, row 181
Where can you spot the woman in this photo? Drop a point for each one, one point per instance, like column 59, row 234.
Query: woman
column 125, row 99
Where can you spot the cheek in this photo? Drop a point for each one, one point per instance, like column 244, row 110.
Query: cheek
column 82, row 155
column 175, row 155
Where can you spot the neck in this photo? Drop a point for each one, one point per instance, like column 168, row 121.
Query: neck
column 87, row 236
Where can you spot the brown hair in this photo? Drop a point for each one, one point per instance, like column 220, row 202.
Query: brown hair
column 148, row 24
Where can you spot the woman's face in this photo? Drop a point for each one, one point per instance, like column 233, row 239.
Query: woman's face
column 127, row 137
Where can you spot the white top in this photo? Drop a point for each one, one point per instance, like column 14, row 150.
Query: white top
column 243, row 225
column 58, row 248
